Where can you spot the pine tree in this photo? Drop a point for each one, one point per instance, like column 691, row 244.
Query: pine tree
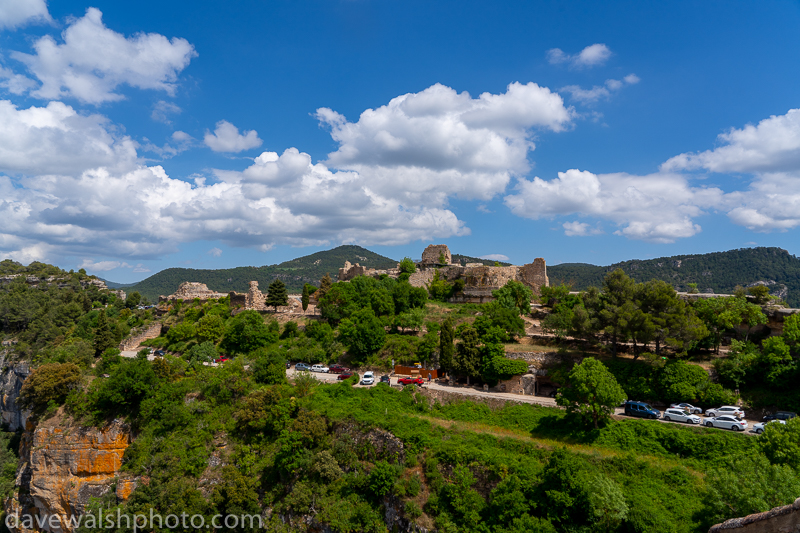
column 277, row 295
column 305, row 297
column 103, row 336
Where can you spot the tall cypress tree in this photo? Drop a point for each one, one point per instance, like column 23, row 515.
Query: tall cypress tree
column 277, row 295
column 446, row 347
column 305, row 297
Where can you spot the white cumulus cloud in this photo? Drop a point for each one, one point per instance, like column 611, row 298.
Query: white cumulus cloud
column 580, row 229
column 771, row 151
column 425, row 147
column 14, row 13
column 773, row 145
column 93, row 61
column 57, row 139
column 655, row 208
column 216, row 252
column 226, row 138
column 592, row 56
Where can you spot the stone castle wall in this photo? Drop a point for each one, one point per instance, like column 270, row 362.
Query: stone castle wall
column 780, row 519
column 190, row 290
column 152, row 331
column 432, row 253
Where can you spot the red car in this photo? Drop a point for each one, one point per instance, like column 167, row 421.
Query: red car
column 221, row 359
column 411, row 381
column 337, row 369
column 347, row 374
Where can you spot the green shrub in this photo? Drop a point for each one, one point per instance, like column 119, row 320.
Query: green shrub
column 50, row 383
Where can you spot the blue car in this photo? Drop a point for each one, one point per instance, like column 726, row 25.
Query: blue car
column 641, row 409
column 302, row 367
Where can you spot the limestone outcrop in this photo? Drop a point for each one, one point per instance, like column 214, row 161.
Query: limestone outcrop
column 189, row 290
column 11, row 379
column 62, row 465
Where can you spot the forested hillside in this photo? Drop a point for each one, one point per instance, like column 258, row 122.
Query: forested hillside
column 294, row 273
column 464, row 259
column 720, row 272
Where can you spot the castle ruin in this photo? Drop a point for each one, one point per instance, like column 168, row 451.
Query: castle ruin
column 479, row 280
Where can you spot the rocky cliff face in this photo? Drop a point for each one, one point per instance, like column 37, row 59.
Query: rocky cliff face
column 11, row 378
column 62, row 465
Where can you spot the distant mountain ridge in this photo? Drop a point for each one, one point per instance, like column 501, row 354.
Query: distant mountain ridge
column 719, row 272
column 294, row 273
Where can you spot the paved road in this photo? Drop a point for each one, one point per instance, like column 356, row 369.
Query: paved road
column 470, row 392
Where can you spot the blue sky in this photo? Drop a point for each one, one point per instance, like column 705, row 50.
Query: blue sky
column 139, row 136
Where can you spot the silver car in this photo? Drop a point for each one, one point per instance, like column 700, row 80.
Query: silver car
column 726, row 422
column 726, row 410
column 760, row 426
column 688, row 407
column 679, row 415
column 319, row 368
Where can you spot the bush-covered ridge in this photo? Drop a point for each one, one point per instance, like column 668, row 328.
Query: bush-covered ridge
column 294, row 273
column 718, row 271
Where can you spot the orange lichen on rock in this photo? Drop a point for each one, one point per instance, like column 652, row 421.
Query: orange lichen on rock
column 67, row 464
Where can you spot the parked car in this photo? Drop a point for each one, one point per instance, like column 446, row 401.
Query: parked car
column 345, row 375
column 319, row 368
column 411, row 381
column 641, row 409
column 759, row 427
column 731, row 410
column 726, row 422
column 160, row 353
column 780, row 415
column 679, row 415
column 687, row 407
column 386, row 379
column 368, row 378
column 221, row 359
column 301, row 367
column 288, row 364
column 337, row 369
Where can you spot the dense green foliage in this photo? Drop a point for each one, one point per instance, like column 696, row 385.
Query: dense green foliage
column 720, row 272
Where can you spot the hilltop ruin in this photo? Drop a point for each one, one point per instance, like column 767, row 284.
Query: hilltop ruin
column 479, row 280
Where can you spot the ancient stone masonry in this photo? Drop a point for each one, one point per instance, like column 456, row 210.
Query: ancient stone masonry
column 254, row 299
column 62, row 466
column 151, row 332
column 784, row 519
column 349, row 271
column 431, row 255
column 479, row 280
column 189, row 290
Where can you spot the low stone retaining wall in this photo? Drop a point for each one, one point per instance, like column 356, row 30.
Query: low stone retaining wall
column 786, row 518
column 447, row 397
column 152, row 331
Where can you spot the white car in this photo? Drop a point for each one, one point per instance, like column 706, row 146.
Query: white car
column 759, row 427
column 687, row 407
column 368, row 378
column 319, row 368
column 726, row 422
column 726, row 410
column 679, row 415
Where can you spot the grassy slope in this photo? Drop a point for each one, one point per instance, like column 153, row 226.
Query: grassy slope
column 719, row 271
